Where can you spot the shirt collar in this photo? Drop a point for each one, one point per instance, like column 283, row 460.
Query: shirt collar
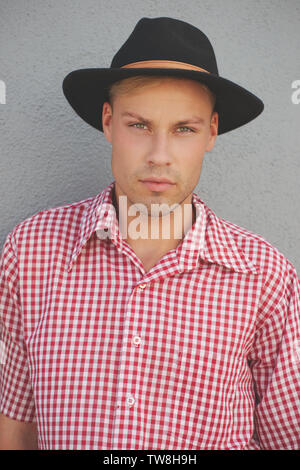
column 209, row 239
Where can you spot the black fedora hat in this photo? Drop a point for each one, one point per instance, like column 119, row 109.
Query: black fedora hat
column 162, row 46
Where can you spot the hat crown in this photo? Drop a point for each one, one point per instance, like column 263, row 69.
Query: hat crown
column 166, row 38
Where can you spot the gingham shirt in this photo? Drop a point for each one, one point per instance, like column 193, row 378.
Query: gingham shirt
column 200, row 352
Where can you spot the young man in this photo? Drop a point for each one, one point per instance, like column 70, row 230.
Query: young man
column 114, row 338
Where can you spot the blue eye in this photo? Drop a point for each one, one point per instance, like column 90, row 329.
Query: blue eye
column 184, row 127
column 142, row 124
column 137, row 124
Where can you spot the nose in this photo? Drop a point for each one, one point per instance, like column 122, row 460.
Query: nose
column 159, row 153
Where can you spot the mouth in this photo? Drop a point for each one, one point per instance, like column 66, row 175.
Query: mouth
column 158, row 184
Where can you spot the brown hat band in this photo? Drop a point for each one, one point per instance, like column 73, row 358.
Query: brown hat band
column 170, row 64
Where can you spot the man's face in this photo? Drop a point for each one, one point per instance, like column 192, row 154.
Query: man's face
column 155, row 145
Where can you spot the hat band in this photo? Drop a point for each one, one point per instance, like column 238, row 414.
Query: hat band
column 170, row 64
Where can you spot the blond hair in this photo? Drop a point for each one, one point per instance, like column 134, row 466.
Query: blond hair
column 127, row 85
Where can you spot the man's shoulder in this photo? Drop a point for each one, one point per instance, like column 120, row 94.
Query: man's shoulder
column 261, row 252
column 241, row 248
column 60, row 220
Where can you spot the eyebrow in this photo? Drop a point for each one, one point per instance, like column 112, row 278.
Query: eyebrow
column 191, row 120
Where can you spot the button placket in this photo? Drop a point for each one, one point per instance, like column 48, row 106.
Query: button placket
column 130, row 401
column 125, row 402
column 136, row 340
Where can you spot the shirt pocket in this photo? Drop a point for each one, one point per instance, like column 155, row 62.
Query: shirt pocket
column 199, row 370
column 192, row 357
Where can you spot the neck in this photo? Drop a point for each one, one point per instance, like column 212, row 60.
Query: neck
column 154, row 231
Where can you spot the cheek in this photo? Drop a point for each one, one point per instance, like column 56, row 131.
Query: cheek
column 192, row 153
column 125, row 136
column 191, row 163
column 127, row 147
column 124, row 157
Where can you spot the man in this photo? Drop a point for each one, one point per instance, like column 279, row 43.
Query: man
column 117, row 339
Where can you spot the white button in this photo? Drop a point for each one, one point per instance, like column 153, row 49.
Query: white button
column 130, row 401
column 142, row 286
column 136, row 340
column 103, row 233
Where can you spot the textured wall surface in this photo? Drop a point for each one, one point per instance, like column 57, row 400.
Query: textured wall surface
column 50, row 157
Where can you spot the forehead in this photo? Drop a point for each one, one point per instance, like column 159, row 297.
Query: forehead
column 172, row 91
column 164, row 82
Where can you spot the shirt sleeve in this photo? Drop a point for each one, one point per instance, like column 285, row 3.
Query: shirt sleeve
column 16, row 398
column 275, row 364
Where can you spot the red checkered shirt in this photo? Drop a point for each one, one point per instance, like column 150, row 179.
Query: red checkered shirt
column 200, row 352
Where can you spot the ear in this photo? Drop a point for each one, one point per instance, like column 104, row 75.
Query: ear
column 214, row 123
column 107, row 120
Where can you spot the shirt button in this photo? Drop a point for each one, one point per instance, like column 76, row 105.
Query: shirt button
column 130, row 401
column 136, row 340
column 142, row 286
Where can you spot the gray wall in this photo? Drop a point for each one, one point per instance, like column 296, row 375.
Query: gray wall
column 50, row 157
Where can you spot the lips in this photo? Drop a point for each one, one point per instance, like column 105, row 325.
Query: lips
column 157, row 180
column 158, row 184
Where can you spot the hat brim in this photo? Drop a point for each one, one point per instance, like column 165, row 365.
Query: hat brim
column 87, row 89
